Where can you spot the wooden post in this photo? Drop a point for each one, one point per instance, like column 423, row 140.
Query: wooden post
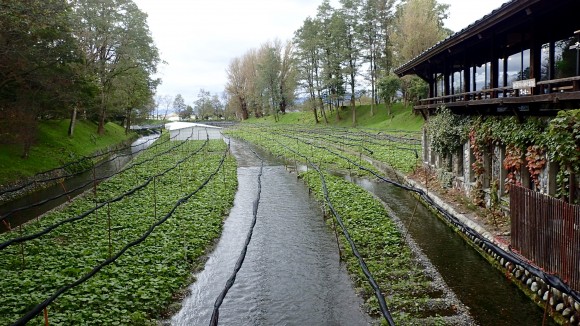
column 45, row 317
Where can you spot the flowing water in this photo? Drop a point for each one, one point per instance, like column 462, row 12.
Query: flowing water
column 291, row 274
column 113, row 165
column 492, row 299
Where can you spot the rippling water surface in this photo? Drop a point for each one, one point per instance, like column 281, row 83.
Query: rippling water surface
column 291, row 274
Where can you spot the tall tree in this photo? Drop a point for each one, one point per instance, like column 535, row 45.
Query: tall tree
column 268, row 76
column 132, row 91
column 307, row 42
column 332, row 27
column 115, row 38
column 388, row 87
column 36, row 53
column 179, row 106
column 418, row 26
column 203, row 106
column 376, row 19
column 351, row 13
column 237, row 87
column 163, row 103
column 288, row 82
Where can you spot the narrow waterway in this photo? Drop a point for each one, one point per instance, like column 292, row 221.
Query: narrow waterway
column 291, row 274
column 491, row 298
column 105, row 170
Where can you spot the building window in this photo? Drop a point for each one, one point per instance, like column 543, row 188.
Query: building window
column 545, row 62
column 565, row 58
column 482, row 77
column 518, row 67
column 501, row 73
column 457, row 82
column 440, row 85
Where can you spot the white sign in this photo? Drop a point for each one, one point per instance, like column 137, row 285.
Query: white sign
column 526, row 83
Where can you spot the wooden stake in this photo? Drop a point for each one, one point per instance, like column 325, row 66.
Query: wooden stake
column 45, row 316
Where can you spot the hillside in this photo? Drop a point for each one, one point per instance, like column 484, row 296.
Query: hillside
column 402, row 118
column 53, row 147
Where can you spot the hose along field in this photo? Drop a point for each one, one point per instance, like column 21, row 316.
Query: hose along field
column 392, row 281
column 120, row 253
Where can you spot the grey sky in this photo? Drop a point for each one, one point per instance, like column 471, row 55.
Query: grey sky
column 198, row 38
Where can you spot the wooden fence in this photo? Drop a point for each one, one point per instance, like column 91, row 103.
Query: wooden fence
column 546, row 230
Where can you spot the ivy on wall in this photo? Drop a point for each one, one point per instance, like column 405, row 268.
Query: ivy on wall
column 447, row 131
column 528, row 144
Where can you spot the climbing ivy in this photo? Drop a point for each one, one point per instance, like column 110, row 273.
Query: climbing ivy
column 447, row 131
column 563, row 143
column 529, row 143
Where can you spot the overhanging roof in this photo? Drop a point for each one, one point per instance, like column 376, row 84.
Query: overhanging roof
column 547, row 18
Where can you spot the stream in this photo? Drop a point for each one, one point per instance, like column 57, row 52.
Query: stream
column 114, row 164
column 490, row 296
column 291, row 275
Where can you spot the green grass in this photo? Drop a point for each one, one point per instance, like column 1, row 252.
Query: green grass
column 54, row 148
column 402, row 118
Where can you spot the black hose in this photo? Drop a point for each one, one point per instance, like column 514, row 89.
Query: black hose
column 230, row 282
column 90, row 211
column 38, row 308
column 72, row 190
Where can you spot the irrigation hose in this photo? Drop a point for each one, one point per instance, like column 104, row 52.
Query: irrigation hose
column 230, row 282
column 78, row 161
column 549, row 279
column 377, row 291
column 72, row 190
column 90, row 211
column 40, row 307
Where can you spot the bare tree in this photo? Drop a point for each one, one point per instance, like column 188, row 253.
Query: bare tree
column 418, row 26
column 163, row 103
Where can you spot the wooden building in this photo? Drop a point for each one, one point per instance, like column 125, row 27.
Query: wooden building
column 522, row 57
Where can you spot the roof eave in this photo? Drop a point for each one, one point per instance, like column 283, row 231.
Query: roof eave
column 502, row 13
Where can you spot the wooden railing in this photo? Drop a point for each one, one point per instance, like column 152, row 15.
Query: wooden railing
column 546, row 230
column 542, row 87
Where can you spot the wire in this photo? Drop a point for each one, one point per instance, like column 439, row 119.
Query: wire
column 88, row 212
column 39, row 307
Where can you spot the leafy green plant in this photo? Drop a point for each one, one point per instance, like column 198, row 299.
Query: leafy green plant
column 140, row 284
column 447, row 131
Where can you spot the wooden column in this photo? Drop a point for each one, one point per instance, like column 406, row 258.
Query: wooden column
column 552, row 61
column 446, row 79
column 466, row 81
column 494, row 69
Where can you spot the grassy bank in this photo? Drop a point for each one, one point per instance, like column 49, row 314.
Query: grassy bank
column 53, row 148
column 401, row 118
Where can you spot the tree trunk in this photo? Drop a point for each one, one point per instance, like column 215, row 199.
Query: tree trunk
column 322, row 106
column 313, row 103
column 73, row 119
column 128, row 121
column 244, row 108
column 101, row 127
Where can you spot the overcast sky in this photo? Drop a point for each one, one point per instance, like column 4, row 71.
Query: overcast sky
column 198, row 38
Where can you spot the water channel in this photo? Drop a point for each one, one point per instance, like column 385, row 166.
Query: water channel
column 291, row 274
column 109, row 167
column 490, row 296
